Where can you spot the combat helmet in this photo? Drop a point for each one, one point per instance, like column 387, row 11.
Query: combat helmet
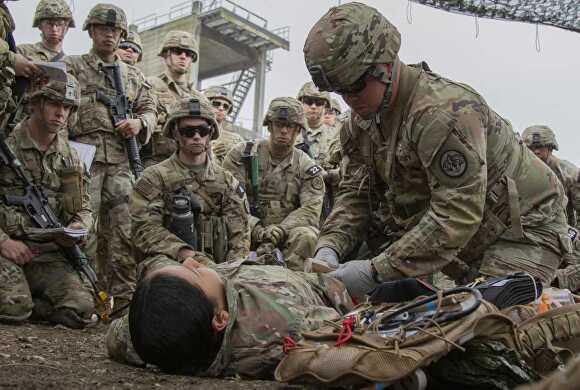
column 539, row 136
column 219, row 92
column 335, row 106
column 133, row 39
column 286, row 109
column 108, row 15
column 345, row 43
column 52, row 9
column 191, row 107
column 310, row 90
column 180, row 40
column 67, row 91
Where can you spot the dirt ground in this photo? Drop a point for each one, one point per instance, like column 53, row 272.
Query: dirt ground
column 47, row 357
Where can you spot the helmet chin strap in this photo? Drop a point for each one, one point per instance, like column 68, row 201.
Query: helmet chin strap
column 387, row 79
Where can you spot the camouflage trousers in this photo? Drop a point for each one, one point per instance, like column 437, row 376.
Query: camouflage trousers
column 110, row 239
column 299, row 246
column 39, row 288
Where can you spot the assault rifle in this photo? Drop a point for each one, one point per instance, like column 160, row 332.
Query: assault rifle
column 121, row 108
column 35, row 203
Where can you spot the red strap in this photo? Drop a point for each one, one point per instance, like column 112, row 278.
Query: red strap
column 346, row 331
column 288, row 343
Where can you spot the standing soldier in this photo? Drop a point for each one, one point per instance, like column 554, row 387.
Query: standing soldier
column 130, row 50
column 542, row 141
column 284, row 185
column 35, row 278
column 111, row 177
column 178, row 52
column 331, row 115
column 11, row 65
column 53, row 18
column 316, row 136
column 461, row 190
column 222, row 103
column 216, row 202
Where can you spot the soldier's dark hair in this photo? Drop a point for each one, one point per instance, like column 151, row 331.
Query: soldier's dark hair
column 170, row 322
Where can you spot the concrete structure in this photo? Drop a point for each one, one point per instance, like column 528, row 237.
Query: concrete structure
column 231, row 39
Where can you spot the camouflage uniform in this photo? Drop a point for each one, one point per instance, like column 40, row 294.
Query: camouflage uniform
column 46, row 9
column 111, row 177
column 7, row 61
column 167, row 92
column 290, row 191
column 457, row 182
column 265, row 304
column 319, row 138
column 48, row 283
column 228, row 139
column 133, row 39
column 568, row 173
column 222, row 230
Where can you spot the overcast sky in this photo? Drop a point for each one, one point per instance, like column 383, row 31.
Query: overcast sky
column 521, row 84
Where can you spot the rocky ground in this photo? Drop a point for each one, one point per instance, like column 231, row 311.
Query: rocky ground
column 48, row 357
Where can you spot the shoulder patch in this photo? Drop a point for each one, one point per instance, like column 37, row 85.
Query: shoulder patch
column 146, row 189
column 314, row 170
column 453, row 163
column 317, row 183
column 573, row 234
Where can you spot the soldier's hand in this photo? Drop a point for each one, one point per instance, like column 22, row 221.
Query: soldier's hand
column 258, row 233
column 129, row 127
column 274, row 234
column 70, row 241
column 17, row 251
column 25, row 68
column 185, row 254
column 357, row 276
column 328, row 256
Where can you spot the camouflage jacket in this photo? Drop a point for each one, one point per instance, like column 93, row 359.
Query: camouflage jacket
column 569, row 176
column 60, row 173
column 166, row 92
column 265, row 304
column 445, row 165
column 223, row 227
column 319, row 140
column 7, row 60
column 36, row 52
column 290, row 193
column 221, row 146
column 95, row 126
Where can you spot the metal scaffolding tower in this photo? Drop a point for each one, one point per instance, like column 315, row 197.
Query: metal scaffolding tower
column 231, row 39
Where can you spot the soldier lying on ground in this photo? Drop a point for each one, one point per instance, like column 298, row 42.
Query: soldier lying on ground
column 462, row 192
column 189, row 319
column 284, row 185
column 36, row 280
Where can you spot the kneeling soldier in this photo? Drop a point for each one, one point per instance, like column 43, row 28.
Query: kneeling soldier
column 36, row 279
column 285, row 186
column 187, row 207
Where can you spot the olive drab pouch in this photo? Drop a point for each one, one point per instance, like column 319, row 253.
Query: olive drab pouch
column 384, row 343
column 72, row 188
column 220, row 239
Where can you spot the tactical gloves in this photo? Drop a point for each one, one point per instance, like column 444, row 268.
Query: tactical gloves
column 358, row 277
column 272, row 233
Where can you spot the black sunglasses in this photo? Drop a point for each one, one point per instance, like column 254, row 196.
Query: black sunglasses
column 190, row 131
column 177, row 51
column 356, row 87
column 310, row 101
column 218, row 104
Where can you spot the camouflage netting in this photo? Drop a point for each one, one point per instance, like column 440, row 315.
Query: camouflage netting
column 558, row 13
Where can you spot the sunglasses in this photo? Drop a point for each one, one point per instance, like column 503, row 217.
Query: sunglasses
column 218, row 104
column 310, row 101
column 190, row 131
column 177, row 51
column 129, row 47
column 356, row 87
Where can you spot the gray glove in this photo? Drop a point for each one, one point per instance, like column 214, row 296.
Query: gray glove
column 357, row 276
column 327, row 255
